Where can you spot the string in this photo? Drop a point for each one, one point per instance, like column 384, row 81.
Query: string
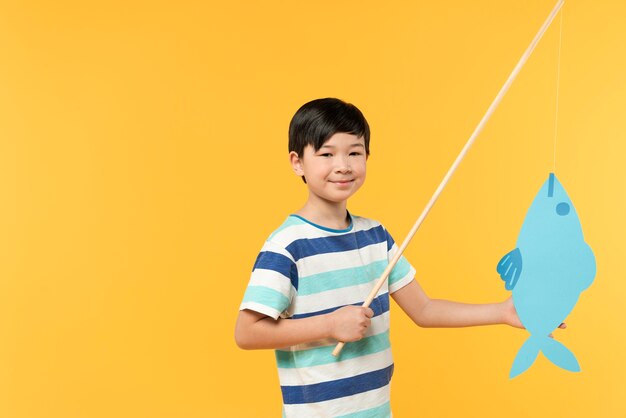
column 558, row 79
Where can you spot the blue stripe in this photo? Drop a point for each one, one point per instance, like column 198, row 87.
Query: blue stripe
column 390, row 241
column 268, row 260
column 307, row 247
column 339, row 388
column 379, row 305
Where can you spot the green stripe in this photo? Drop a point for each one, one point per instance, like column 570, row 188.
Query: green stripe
column 266, row 296
column 400, row 270
column 378, row 412
column 323, row 355
column 337, row 279
column 341, row 278
column 290, row 221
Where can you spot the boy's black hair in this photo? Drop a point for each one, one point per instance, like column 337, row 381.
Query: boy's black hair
column 316, row 121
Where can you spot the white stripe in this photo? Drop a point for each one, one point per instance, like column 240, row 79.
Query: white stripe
column 379, row 324
column 335, row 297
column 273, row 280
column 263, row 309
column 273, row 247
column 393, row 250
column 340, row 406
column 295, row 232
column 335, row 370
column 362, row 224
column 323, row 263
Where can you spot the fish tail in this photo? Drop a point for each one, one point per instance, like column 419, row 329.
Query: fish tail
column 560, row 355
column 556, row 352
column 526, row 356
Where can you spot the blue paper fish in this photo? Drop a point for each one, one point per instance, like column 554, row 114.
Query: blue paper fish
column 546, row 273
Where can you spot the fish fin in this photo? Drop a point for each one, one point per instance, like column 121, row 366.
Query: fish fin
column 525, row 357
column 560, row 355
column 510, row 268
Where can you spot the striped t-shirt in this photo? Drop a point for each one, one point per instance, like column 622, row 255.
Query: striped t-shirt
column 305, row 270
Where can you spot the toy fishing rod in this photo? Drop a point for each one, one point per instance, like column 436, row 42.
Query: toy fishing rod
column 383, row 278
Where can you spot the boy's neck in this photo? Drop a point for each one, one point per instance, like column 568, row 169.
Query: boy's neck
column 327, row 214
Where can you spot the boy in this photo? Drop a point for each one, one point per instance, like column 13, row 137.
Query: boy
column 313, row 273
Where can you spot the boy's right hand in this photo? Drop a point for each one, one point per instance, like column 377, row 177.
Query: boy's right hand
column 349, row 323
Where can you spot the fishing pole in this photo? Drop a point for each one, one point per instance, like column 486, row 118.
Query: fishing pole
column 468, row 145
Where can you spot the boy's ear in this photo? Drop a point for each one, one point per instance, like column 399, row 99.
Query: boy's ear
column 296, row 163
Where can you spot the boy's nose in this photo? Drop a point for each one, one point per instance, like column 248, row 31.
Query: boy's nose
column 344, row 167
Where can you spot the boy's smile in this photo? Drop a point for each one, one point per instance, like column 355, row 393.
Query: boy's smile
column 334, row 172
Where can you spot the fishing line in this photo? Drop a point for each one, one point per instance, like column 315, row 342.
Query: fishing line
column 558, row 79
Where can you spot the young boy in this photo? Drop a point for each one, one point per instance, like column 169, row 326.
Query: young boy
column 313, row 273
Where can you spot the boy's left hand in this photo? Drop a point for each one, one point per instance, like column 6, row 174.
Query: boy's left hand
column 511, row 318
column 510, row 314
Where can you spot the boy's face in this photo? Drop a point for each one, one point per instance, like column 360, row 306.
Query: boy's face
column 336, row 170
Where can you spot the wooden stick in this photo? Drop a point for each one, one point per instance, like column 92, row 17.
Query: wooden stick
column 470, row 142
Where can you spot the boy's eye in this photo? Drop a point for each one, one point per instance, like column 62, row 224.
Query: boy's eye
column 326, row 154
column 355, row 153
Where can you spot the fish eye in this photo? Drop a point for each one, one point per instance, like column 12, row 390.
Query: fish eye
column 562, row 209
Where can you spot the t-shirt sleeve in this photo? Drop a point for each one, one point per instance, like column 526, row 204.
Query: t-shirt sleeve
column 403, row 272
column 273, row 282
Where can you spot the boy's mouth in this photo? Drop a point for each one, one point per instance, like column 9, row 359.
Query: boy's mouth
column 342, row 183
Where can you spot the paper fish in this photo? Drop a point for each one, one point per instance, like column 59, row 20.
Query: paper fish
column 546, row 273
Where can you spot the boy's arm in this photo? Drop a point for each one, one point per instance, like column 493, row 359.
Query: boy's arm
column 255, row 330
column 427, row 312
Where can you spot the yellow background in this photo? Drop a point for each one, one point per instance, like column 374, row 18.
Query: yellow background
column 143, row 161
